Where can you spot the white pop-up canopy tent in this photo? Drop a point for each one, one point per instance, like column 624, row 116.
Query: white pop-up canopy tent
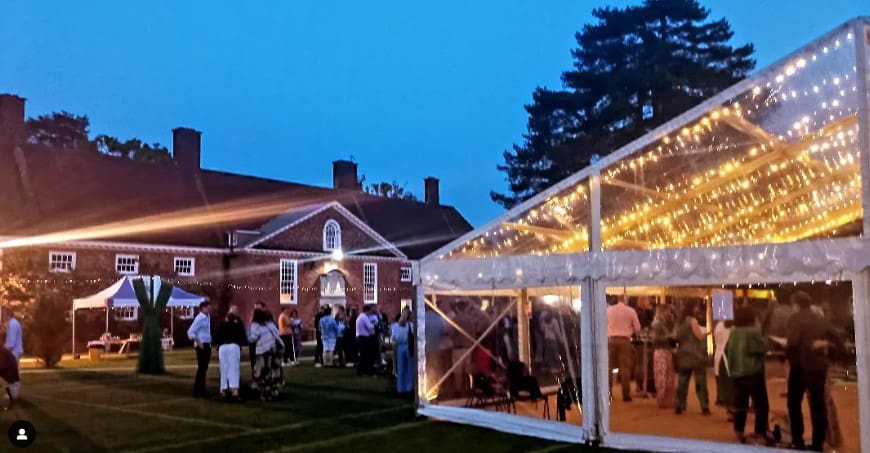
column 121, row 294
column 766, row 182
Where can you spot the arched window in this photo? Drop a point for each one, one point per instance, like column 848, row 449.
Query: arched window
column 331, row 236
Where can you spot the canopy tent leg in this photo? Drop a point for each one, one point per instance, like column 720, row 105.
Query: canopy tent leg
column 523, row 335
column 73, row 333
column 107, row 319
column 172, row 322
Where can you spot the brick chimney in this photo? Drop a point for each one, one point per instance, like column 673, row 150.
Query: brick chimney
column 344, row 175
column 186, row 147
column 433, row 196
column 12, row 126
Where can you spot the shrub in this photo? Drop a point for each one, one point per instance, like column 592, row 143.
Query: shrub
column 46, row 332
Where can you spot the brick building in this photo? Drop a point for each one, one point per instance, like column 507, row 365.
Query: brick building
column 86, row 218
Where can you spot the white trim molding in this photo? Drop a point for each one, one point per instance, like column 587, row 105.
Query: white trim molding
column 386, row 245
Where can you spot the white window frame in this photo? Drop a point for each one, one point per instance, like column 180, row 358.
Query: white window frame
column 370, row 283
column 178, row 259
column 187, row 312
column 126, row 313
column 121, row 256
column 406, row 274
column 55, row 254
column 336, row 240
column 406, row 302
column 288, row 282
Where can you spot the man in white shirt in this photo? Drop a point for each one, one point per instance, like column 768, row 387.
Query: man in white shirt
column 14, row 337
column 622, row 324
column 200, row 333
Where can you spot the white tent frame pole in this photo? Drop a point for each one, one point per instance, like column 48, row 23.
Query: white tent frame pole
column 861, row 282
column 74, row 332
column 524, row 343
column 108, row 310
column 601, row 361
column 587, row 354
column 860, row 32
column 420, row 336
column 861, row 312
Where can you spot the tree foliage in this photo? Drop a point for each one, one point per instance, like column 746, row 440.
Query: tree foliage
column 59, row 130
column 387, row 189
column 42, row 309
column 634, row 69
column 390, row 190
column 69, row 131
column 133, row 149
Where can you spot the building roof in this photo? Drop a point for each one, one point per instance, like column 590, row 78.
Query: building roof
column 79, row 195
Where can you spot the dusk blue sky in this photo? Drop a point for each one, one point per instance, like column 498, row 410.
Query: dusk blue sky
column 281, row 89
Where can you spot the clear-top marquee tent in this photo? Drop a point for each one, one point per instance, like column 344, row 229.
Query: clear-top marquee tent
column 765, row 183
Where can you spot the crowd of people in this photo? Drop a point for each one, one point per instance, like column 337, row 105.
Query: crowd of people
column 798, row 330
column 343, row 337
column 266, row 352
column 478, row 338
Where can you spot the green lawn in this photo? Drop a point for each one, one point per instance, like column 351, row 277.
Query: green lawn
column 330, row 410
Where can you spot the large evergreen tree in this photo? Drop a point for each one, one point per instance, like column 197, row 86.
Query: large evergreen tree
column 635, row 68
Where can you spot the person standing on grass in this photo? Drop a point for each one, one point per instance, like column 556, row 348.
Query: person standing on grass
column 622, row 324
column 401, row 335
column 810, row 337
column 340, row 336
column 252, row 348
column 691, row 358
column 296, row 327
column 285, row 328
column 365, row 336
column 350, row 346
column 200, row 333
column 267, row 342
column 329, row 336
column 318, row 349
column 230, row 337
column 744, row 355
column 14, row 336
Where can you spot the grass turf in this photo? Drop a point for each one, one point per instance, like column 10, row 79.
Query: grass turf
column 114, row 410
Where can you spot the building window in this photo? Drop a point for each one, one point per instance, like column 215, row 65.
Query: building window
column 126, row 313
column 127, row 264
column 405, row 274
column 185, row 312
column 370, row 283
column 331, row 236
column 61, row 261
column 185, row 267
column 288, row 282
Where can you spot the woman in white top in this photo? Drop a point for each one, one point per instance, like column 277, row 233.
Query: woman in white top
column 401, row 335
column 724, row 386
column 267, row 342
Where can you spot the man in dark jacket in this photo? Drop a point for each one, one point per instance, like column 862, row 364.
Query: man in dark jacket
column 810, row 337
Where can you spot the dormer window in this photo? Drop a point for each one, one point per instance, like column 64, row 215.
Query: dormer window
column 331, row 236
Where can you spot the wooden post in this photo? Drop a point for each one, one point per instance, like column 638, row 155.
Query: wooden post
column 524, row 343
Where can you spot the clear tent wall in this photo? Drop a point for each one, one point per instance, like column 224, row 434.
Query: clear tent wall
column 741, row 201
